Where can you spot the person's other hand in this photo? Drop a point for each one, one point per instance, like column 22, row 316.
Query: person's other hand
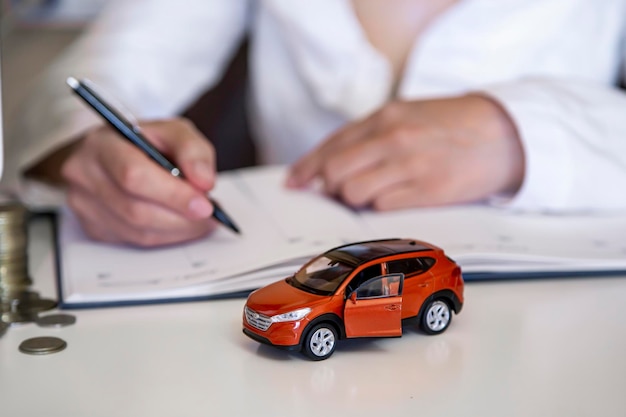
column 120, row 195
column 419, row 153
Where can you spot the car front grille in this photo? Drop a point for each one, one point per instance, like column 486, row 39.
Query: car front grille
column 257, row 320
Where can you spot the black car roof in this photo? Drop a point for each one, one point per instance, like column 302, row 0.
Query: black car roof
column 360, row 252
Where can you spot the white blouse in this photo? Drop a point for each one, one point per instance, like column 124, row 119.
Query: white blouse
column 552, row 64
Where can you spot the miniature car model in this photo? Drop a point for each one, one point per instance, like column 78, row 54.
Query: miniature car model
column 364, row 289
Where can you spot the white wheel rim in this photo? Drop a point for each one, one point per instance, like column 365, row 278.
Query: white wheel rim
column 438, row 316
column 322, row 342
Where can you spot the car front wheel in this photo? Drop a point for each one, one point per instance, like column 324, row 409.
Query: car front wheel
column 437, row 317
column 320, row 342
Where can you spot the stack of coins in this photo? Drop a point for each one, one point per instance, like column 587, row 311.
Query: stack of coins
column 18, row 304
column 14, row 279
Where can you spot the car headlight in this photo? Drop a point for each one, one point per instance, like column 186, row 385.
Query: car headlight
column 291, row 316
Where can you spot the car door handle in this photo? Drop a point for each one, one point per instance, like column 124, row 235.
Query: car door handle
column 392, row 307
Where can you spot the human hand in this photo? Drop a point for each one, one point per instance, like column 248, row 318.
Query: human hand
column 419, row 153
column 120, row 195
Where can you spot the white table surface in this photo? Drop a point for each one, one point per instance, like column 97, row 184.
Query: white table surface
column 519, row 348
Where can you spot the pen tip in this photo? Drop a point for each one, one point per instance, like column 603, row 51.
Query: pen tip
column 229, row 223
column 223, row 218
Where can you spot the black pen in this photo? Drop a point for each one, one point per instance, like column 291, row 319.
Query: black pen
column 132, row 132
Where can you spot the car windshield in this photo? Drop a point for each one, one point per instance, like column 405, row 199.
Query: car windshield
column 321, row 275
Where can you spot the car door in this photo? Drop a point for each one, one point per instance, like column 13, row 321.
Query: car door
column 374, row 309
column 418, row 285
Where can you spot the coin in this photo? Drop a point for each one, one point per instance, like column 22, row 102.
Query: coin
column 37, row 305
column 13, row 255
column 10, row 300
column 56, row 320
column 12, row 213
column 42, row 345
column 17, row 317
column 13, row 241
column 14, row 273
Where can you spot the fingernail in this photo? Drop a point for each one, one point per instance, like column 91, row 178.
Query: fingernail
column 293, row 179
column 291, row 182
column 200, row 207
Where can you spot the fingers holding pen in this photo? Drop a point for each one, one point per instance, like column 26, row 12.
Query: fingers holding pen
column 139, row 177
column 189, row 149
column 121, row 195
column 102, row 224
column 132, row 179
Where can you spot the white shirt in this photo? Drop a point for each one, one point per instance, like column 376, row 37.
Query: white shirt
column 552, row 64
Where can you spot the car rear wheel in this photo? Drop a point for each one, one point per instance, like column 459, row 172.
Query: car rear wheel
column 437, row 317
column 320, row 341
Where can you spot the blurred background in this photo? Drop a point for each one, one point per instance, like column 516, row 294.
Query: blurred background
column 33, row 32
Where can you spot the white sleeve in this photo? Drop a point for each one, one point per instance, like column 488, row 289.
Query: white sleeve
column 154, row 56
column 574, row 138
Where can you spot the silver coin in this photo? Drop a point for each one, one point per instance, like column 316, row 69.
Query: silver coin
column 11, row 299
column 17, row 317
column 12, row 214
column 42, row 345
column 56, row 320
column 38, row 305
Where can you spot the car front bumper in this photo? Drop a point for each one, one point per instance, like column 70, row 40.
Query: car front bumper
column 266, row 341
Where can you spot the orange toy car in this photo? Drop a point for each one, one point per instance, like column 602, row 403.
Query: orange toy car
column 364, row 289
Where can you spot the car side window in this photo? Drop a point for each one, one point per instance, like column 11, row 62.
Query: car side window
column 428, row 262
column 365, row 274
column 383, row 286
column 408, row 266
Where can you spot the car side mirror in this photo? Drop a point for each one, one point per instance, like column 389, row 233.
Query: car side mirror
column 353, row 297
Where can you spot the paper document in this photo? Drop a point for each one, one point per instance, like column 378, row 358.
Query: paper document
column 283, row 228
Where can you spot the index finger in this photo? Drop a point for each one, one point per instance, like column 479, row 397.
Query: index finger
column 310, row 165
column 187, row 147
column 136, row 175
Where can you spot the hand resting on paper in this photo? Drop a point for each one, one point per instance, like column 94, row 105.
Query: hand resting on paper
column 120, row 195
column 419, row 153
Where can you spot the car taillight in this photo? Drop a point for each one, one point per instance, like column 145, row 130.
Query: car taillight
column 456, row 273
